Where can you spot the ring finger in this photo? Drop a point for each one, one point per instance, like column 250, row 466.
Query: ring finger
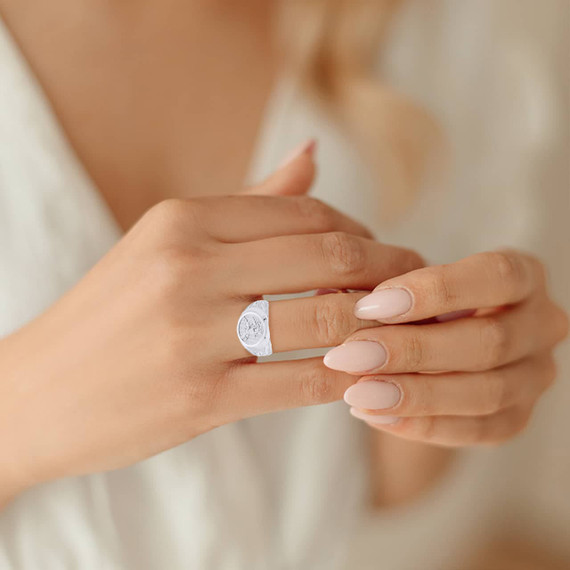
column 456, row 393
column 295, row 324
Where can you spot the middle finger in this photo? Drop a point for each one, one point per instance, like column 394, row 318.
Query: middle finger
column 453, row 393
column 470, row 344
column 293, row 264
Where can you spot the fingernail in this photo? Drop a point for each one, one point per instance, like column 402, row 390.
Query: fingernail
column 356, row 356
column 308, row 147
column 373, row 419
column 373, row 395
column 384, row 304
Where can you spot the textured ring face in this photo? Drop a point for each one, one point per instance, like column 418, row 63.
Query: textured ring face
column 253, row 329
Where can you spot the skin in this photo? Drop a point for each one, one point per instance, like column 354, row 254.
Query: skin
column 139, row 145
column 140, row 88
column 472, row 380
column 114, row 378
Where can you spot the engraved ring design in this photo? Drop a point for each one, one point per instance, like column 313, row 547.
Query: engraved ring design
column 253, row 329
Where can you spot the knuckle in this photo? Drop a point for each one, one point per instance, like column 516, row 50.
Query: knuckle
column 316, row 387
column 495, row 342
column 413, row 353
column 421, row 400
column 316, row 212
column 509, row 266
column 167, row 212
column 343, row 252
column 442, row 291
column 172, row 218
column 332, row 323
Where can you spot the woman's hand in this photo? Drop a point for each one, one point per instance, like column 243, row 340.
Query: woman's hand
column 143, row 355
column 473, row 372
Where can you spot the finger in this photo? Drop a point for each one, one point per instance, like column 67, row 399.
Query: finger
column 293, row 178
column 272, row 386
column 454, row 394
column 296, row 324
column 455, row 431
column 292, row 264
column 246, row 218
column 482, row 280
column 473, row 344
column 314, row 322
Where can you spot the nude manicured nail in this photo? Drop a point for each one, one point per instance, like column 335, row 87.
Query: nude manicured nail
column 384, row 304
column 373, row 395
column 356, row 356
column 308, row 147
column 373, row 419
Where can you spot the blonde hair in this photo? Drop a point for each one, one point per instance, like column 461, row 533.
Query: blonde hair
column 333, row 46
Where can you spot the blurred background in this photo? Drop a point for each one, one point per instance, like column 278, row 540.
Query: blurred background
column 494, row 77
column 444, row 125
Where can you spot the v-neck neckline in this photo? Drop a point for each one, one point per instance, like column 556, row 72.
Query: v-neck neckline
column 33, row 94
column 23, row 75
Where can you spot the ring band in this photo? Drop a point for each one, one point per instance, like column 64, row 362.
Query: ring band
column 253, row 329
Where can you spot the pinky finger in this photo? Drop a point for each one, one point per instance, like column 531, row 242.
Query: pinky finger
column 453, row 431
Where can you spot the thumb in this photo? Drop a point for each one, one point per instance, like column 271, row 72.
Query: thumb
column 294, row 176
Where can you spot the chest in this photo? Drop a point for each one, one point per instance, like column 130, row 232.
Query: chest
column 157, row 100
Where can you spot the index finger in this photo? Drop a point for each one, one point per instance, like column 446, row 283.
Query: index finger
column 484, row 280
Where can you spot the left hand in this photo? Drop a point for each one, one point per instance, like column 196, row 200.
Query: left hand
column 466, row 378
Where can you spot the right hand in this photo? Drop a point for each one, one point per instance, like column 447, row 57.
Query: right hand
column 142, row 354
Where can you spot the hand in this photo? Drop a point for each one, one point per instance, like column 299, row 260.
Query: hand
column 474, row 377
column 142, row 354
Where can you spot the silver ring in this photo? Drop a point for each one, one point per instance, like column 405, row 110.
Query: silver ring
column 253, row 329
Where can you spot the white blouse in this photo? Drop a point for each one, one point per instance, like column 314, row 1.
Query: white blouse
column 287, row 490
